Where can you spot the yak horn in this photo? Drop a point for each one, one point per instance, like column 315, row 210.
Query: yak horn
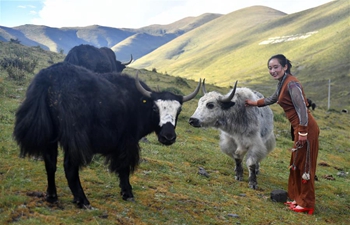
column 203, row 87
column 146, row 93
column 127, row 63
column 228, row 98
column 139, row 87
column 193, row 94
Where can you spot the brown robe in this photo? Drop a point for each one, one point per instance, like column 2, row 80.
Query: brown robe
column 302, row 193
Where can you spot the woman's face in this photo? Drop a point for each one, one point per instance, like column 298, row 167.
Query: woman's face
column 276, row 70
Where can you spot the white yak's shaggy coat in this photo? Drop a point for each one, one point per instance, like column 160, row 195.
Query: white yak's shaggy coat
column 244, row 130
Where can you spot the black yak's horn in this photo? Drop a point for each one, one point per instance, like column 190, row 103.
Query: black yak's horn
column 193, row 94
column 139, row 87
column 127, row 63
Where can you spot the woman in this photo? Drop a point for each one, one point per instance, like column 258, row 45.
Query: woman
column 291, row 97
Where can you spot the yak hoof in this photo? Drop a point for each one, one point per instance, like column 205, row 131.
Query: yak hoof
column 131, row 199
column 127, row 195
column 240, row 178
column 88, row 207
column 52, row 199
column 128, row 199
column 253, row 186
column 82, row 204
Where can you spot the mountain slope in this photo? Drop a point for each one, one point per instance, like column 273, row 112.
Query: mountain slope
column 200, row 47
column 181, row 26
column 140, row 44
column 231, row 48
column 64, row 39
column 7, row 34
column 152, row 37
column 57, row 39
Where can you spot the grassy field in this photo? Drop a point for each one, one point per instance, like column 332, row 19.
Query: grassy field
column 167, row 186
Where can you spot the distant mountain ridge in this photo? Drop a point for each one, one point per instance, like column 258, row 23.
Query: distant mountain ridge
column 123, row 41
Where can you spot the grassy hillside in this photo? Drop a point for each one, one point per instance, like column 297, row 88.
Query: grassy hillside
column 167, row 186
column 230, row 48
column 149, row 38
column 66, row 38
column 124, row 41
column 139, row 45
column 181, row 26
column 202, row 47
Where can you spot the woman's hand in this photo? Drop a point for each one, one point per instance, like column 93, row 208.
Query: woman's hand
column 302, row 139
column 250, row 103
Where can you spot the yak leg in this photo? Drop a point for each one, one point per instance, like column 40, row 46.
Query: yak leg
column 50, row 158
column 123, row 166
column 238, row 169
column 257, row 168
column 238, row 156
column 252, row 177
column 124, row 184
column 71, row 170
column 253, row 158
column 229, row 147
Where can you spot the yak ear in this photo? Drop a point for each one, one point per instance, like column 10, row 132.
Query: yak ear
column 226, row 105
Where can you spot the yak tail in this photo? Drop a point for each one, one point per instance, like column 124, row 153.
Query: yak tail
column 34, row 128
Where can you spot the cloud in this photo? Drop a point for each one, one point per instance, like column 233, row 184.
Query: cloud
column 26, row 6
column 131, row 13
column 139, row 13
column 60, row 13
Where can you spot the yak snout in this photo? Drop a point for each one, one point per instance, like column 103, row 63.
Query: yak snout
column 194, row 122
column 167, row 135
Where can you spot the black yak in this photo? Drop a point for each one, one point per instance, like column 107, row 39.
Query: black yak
column 310, row 104
column 87, row 113
column 99, row 60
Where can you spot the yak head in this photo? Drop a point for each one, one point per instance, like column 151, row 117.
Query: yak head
column 167, row 107
column 120, row 66
column 211, row 108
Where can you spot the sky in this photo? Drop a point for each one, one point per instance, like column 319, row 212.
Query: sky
column 128, row 13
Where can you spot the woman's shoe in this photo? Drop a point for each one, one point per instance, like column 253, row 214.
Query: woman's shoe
column 310, row 211
column 290, row 204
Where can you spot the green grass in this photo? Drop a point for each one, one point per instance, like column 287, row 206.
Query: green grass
column 167, row 186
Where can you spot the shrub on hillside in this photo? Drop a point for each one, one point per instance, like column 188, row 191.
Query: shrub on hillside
column 181, row 82
column 18, row 67
column 174, row 90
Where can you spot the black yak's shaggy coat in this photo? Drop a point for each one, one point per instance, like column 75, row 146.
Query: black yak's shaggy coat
column 100, row 60
column 86, row 114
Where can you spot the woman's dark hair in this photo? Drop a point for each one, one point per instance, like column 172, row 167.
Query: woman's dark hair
column 283, row 61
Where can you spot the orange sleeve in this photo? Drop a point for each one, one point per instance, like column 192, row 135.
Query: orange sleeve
column 260, row 102
column 302, row 129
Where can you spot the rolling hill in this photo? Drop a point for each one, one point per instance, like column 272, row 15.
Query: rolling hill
column 149, row 38
column 202, row 48
column 123, row 40
column 231, row 48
